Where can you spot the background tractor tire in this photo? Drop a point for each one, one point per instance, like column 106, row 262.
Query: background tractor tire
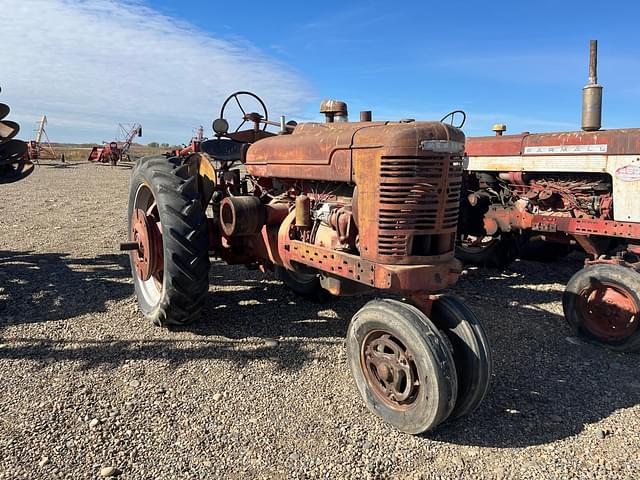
column 602, row 304
column 177, row 296
column 306, row 285
column 499, row 253
column 544, row 251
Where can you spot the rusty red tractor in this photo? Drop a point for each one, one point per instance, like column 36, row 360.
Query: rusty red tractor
column 569, row 188
column 336, row 206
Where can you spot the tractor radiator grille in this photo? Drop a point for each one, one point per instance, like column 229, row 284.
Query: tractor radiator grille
column 418, row 196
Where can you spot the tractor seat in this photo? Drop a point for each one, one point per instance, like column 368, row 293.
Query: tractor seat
column 222, row 150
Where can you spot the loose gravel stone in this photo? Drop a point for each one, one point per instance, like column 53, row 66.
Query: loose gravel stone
column 69, row 297
column 107, row 472
column 94, row 423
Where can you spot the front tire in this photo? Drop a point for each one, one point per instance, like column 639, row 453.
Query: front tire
column 471, row 351
column 602, row 304
column 402, row 365
column 171, row 267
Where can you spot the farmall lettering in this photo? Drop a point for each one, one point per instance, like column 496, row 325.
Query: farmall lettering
column 565, row 149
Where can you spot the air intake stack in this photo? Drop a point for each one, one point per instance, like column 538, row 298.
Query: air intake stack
column 592, row 94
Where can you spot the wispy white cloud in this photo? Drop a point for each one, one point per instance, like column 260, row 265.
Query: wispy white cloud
column 90, row 64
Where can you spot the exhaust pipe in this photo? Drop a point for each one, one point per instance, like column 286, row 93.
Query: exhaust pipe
column 592, row 94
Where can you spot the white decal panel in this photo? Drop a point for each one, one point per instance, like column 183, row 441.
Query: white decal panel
column 556, row 149
column 628, row 173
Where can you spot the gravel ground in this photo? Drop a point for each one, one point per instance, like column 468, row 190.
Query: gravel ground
column 260, row 388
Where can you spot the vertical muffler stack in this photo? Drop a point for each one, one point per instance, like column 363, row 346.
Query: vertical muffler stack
column 592, row 94
column 14, row 162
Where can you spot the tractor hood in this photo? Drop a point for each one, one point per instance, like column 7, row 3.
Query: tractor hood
column 602, row 142
column 323, row 151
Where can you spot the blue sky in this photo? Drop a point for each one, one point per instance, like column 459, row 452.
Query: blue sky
column 520, row 63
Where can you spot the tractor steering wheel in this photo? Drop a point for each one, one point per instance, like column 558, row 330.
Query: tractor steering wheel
column 452, row 116
column 246, row 116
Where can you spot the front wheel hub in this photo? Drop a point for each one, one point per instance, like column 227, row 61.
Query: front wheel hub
column 390, row 370
column 148, row 255
column 609, row 311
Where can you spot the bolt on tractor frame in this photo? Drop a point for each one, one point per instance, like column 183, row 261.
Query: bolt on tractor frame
column 568, row 188
column 335, row 208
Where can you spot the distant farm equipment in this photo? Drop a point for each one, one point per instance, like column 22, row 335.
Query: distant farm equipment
column 115, row 151
column 40, row 147
column 14, row 162
column 194, row 145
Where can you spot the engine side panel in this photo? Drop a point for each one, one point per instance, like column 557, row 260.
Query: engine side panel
column 614, row 152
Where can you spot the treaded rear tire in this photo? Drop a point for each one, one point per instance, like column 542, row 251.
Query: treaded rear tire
column 185, row 279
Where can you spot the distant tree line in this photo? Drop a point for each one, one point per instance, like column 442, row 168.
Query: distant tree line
column 161, row 145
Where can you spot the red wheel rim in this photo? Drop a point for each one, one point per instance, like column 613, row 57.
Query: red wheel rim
column 390, row 370
column 608, row 311
column 146, row 231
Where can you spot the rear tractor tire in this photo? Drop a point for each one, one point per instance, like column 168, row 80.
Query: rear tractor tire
column 488, row 252
column 403, row 365
column 602, row 304
column 170, row 267
column 303, row 284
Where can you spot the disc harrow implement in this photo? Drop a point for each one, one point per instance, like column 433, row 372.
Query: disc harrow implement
column 14, row 164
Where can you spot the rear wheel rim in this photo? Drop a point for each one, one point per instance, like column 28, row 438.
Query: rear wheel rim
column 146, row 230
column 608, row 311
column 390, row 370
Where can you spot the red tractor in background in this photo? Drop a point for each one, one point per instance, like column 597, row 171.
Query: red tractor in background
column 341, row 207
column 564, row 188
column 114, row 152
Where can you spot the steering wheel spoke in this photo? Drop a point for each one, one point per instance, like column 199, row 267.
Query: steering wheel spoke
column 264, row 115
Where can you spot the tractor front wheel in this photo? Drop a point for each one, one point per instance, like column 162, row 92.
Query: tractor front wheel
column 602, row 304
column 471, row 351
column 403, row 365
column 168, row 230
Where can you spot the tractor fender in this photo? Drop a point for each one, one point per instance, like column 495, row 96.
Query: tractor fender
column 200, row 163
